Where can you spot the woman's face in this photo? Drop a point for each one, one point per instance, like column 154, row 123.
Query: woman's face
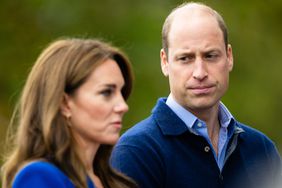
column 97, row 106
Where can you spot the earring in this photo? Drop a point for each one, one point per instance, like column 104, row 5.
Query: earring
column 68, row 119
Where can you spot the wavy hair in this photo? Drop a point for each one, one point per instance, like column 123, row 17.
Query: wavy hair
column 41, row 130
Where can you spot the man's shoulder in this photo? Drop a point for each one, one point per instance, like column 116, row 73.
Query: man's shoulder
column 253, row 135
column 145, row 127
column 143, row 135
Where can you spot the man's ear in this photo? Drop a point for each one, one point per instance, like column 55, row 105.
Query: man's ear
column 65, row 106
column 230, row 57
column 164, row 62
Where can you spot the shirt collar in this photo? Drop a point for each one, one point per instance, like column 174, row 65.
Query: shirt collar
column 190, row 119
column 225, row 116
column 187, row 117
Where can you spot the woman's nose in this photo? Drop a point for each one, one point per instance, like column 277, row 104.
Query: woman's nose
column 121, row 105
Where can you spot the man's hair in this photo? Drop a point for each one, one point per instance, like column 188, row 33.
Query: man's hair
column 169, row 19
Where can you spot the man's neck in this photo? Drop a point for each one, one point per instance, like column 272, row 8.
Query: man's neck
column 210, row 117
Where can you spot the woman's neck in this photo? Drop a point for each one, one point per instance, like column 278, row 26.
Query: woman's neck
column 87, row 156
column 87, row 153
column 95, row 179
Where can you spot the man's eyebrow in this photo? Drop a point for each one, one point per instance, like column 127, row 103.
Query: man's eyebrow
column 212, row 51
column 185, row 53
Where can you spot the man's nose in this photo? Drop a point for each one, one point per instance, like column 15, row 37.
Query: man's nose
column 200, row 70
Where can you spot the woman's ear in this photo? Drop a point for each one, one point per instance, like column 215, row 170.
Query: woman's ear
column 65, row 106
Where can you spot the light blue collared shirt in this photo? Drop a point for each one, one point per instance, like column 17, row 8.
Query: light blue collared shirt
column 198, row 126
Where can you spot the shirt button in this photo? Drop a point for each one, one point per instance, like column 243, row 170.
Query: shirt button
column 221, row 177
column 207, row 149
column 199, row 124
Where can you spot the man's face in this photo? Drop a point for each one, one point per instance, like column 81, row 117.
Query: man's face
column 197, row 62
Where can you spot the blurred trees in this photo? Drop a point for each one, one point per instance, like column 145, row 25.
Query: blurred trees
column 27, row 26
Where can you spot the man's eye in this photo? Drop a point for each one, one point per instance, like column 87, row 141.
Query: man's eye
column 185, row 59
column 211, row 56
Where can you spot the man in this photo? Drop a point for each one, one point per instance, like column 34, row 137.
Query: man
column 191, row 139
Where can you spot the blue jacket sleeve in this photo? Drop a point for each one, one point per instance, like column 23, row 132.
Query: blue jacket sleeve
column 41, row 174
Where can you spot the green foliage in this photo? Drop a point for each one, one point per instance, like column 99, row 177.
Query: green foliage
column 27, row 26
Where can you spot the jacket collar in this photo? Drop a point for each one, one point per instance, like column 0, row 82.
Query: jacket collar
column 167, row 120
column 171, row 124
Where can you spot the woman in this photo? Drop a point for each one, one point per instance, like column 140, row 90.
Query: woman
column 69, row 116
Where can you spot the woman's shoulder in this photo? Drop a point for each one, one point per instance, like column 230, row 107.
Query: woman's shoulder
column 41, row 174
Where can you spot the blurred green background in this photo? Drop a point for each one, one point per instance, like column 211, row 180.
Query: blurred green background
column 27, row 26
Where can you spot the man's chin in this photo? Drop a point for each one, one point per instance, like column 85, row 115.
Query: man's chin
column 201, row 105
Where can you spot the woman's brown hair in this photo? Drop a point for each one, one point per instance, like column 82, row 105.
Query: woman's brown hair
column 42, row 132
